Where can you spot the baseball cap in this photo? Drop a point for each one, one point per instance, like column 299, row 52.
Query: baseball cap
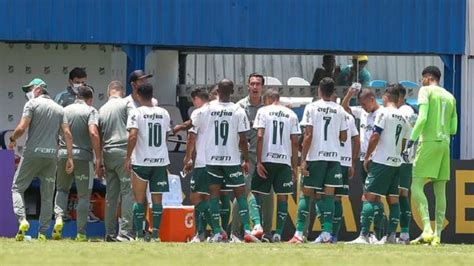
column 138, row 74
column 360, row 58
column 34, row 82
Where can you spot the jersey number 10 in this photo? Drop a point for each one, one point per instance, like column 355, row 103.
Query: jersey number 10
column 154, row 134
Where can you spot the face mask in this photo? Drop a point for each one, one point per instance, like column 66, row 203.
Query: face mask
column 30, row 95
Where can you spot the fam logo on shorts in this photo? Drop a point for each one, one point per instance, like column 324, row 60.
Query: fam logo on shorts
column 162, row 183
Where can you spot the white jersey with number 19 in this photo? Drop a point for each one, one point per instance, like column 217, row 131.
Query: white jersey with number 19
column 328, row 120
column 222, row 123
column 153, row 124
column 279, row 123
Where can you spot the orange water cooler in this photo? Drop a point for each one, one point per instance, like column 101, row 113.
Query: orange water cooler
column 177, row 223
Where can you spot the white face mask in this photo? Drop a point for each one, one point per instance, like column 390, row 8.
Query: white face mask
column 75, row 87
column 30, row 95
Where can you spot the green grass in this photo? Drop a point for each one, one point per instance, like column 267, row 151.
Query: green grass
column 67, row 252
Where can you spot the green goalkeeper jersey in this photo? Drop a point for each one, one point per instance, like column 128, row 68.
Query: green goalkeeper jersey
column 438, row 117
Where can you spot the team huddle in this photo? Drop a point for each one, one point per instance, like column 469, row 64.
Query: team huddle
column 257, row 148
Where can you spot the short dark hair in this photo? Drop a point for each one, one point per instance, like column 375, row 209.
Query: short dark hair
column 145, row 91
column 200, row 92
column 401, row 90
column 85, row 92
column 257, row 75
column 393, row 93
column 327, row 86
column 225, row 87
column 272, row 94
column 328, row 57
column 432, row 71
column 77, row 72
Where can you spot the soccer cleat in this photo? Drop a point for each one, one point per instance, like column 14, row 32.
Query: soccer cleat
column 424, row 238
column 326, row 237
column 266, row 238
column 217, row 238
column 110, row 238
column 360, row 240
column 318, row 240
column 333, row 239
column 373, row 239
column 391, row 239
column 295, row 240
column 42, row 237
column 276, row 238
column 81, row 238
column 235, row 239
column 57, row 230
column 125, row 238
column 22, row 229
column 196, row 239
column 436, row 241
column 155, row 240
column 249, row 238
column 257, row 231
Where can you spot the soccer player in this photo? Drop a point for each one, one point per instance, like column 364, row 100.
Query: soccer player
column 83, row 120
column 147, row 157
column 436, row 123
column 277, row 134
column 227, row 124
column 199, row 180
column 43, row 118
column 113, row 127
column 366, row 113
column 325, row 128
column 405, row 171
column 382, row 162
column 136, row 79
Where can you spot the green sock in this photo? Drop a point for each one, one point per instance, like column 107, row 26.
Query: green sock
column 394, row 217
column 204, row 218
column 303, row 211
column 244, row 212
column 282, row 212
column 319, row 205
column 157, row 210
column 366, row 217
column 336, row 224
column 138, row 214
column 215, row 215
column 439, row 188
column 225, row 211
column 328, row 213
column 254, row 208
column 405, row 214
column 379, row 219
column 421, row 203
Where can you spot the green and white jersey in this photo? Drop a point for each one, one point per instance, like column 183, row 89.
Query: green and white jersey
column 346, row 147
column 328, row 120
column 395, row 129
column 409, row 115
column 113, row 123
column 153, row 124
column 441, row 122
column 79, row 116
column 201, row 140
column 46, row 119
column 223, row 122
column 279, row 123
column 367, row 121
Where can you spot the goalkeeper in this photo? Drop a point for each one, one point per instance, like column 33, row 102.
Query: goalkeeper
column 436, row 123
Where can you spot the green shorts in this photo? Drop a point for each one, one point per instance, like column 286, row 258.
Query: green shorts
column 278, row 176
column 323, row 174
column 432, row 161
column 344, row 190
column 228, row 176
column 382, row 180
column 199, row 181
column 405, row 176
column 156, row 176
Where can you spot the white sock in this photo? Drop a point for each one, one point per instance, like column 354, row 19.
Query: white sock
column 299, row 234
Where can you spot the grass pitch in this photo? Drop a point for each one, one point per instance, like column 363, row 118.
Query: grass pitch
column 68, row 252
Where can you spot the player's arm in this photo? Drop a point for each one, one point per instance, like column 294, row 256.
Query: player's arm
column 347, row 99
column 190, row 150
column 132, row 142
column 454, row 122
column 355, row 151
column 68, row 139
column 183, row 126
column 294, row 155
column 307, row 139
column 244, row 149
column 343, row 127
column 261, row 171
column 373, row 142
column 96, row 146
column 19, row 131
